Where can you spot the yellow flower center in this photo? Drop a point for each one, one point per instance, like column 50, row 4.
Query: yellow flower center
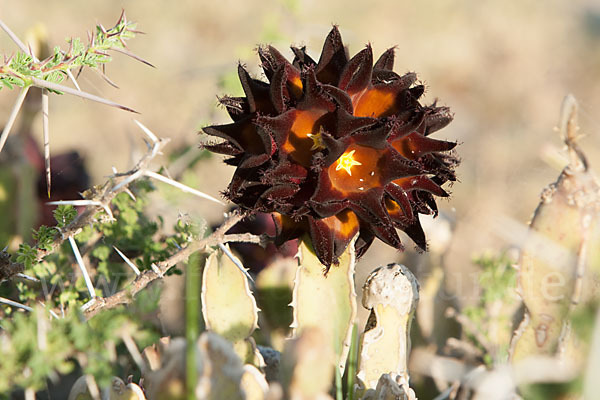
column 347, row 161
column 357, row 179
column 317, row 139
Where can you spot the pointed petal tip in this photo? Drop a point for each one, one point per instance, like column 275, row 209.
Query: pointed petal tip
column 386, row 60
column 356, row 74
column 417, row 235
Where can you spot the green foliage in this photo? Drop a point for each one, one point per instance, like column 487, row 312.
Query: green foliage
column 132, row 233
column 36, row 347
column 496, row 305
column 71, row 340
column 583, row 319
column 24, row 362
column 497, row 278
column 64, row 214
column 189, row 229
column 44, row 236
column 26, row 255
column 20, row 68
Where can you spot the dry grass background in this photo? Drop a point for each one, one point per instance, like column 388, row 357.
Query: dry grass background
column 502, row 66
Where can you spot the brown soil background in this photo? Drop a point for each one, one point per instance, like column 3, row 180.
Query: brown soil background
column 502, row 66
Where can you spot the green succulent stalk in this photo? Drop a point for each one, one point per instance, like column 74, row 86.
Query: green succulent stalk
column 228, row 305
column 326, row 301
column 557, row 262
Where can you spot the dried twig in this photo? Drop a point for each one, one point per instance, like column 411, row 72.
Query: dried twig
column 125, row 296
column 99, row 199
column 45, row 85
column 105, row 207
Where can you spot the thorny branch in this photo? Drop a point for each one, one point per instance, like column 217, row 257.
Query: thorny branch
column 98, row 199
column 125, row 296
column 102, row 195
column 29, row 75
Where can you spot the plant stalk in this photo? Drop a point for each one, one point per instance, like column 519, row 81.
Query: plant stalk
column 192, row 320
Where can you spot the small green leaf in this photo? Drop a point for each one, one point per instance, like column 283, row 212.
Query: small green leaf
column 44, row 237
column 64, row 215
column 26, row 255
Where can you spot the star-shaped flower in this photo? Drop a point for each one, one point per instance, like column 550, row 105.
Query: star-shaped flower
column 335, row 148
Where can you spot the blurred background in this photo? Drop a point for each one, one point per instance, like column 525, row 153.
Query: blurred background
column 502, row 67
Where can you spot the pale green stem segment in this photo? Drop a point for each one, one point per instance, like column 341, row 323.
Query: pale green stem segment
column 327, row 302
column 192, row 320
column 392, row 294
column 306, row 368
column 228, row 305
column 352, row 363
column 562, row 243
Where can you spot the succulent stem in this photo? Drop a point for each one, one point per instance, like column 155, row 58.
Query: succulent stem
column 392, row 294
column 554, row 275
column 326, row 301
column 228, row 305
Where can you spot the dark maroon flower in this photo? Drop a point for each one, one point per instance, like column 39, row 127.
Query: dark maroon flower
column 335, row 148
